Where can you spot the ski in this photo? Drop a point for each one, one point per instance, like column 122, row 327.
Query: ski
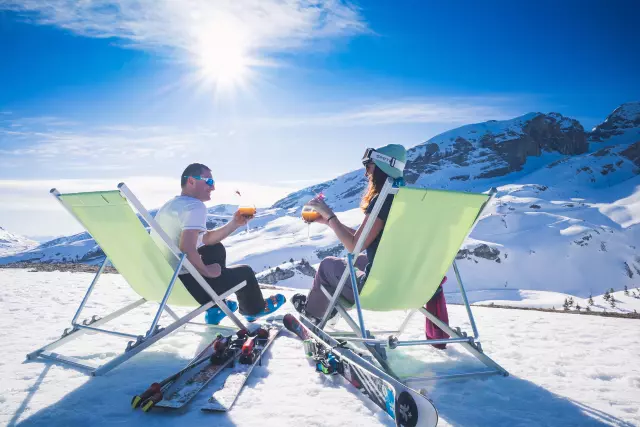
column 404, row 405
column 159, row 387
column 250, row 354
column 196, row 376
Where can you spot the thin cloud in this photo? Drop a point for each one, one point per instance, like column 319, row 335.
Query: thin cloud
column 264, row 25
column 106, row 147
column 55, row 140
column 42, row 120
column 454, row 111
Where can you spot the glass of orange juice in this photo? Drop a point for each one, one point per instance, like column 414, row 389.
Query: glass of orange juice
column 247, row 210
column 309, row 215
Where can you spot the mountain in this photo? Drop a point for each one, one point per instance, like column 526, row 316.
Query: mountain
column 12, row 243
column 565, row 217
column 479, row 156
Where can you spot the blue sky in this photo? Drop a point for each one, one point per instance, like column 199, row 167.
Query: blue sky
column 277, row 96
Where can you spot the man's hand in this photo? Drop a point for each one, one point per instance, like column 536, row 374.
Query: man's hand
column 213, row 270
column 239, row 220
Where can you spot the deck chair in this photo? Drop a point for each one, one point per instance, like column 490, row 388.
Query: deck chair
column 422, row 235
column 109, row 218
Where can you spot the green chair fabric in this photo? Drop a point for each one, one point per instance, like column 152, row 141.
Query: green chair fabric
column 422, row 235
column 111, row 221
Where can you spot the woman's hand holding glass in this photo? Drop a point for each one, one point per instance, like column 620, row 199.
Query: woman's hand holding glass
column 321, row 207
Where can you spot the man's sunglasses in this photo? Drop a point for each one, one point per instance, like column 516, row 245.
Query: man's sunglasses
column 210, row 182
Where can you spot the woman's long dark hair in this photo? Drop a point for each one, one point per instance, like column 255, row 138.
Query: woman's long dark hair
column 376, row 182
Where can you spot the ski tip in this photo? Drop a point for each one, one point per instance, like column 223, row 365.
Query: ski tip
column 146, row 407
column 406, row 410
column 135, row 402
column 289, row 320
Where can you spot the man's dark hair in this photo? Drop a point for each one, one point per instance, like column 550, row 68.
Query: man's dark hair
column 194, row 169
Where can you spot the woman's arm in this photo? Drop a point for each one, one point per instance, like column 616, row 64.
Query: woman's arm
column 350, row 239
column 347, row 236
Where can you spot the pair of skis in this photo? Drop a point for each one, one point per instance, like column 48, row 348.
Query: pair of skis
column 241, row 352
column 404, row 405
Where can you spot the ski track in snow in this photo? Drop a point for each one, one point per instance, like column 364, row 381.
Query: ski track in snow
column 566, row 370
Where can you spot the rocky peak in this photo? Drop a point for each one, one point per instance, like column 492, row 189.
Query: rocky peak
column 626, row 116
column 497, row 147
column 494, row 149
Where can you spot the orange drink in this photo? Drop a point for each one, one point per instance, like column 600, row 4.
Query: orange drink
column 309, row 215
column 247, row 210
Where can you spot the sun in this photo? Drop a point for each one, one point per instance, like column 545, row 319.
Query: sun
column 226, row 65
column 222, row 57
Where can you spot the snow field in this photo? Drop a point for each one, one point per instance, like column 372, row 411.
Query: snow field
column 565, row 369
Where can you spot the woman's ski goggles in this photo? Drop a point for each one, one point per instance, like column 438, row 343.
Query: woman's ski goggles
column 209, row 181
column 370, row 155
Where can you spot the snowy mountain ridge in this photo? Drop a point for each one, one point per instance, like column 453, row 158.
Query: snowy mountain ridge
column 12, row 243
column 564, row 218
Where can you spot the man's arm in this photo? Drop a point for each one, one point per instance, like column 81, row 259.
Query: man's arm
column 217, row 235
column 188, row 245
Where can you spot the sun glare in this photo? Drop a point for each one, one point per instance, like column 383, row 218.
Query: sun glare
column 222, row 57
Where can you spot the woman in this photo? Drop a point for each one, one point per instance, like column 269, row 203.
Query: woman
column 379, row 164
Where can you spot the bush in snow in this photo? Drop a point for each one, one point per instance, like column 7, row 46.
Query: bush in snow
column 566, row 305
column 612, row 302
column 606, row 295
column 590, row 300
column 626, row 291
column 578, row 307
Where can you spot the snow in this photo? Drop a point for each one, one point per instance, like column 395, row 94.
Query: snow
column 629, row 111
column 549, row 300
column 561, row 228
column 626, row 211
column 561, row 370
column 11, row 243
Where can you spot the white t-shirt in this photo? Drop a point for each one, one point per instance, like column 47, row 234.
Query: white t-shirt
column 178, row 214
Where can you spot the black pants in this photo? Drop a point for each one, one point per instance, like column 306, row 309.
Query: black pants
column 249, row 297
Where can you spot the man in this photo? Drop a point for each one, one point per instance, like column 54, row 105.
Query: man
column 184, row 219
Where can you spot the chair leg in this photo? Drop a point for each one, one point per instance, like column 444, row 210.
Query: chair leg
column 93, row 284
column 404, row 324
column 156, row 319
column 133, row 349
column 172, row 313
column 77, row 332
column 472, row 348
